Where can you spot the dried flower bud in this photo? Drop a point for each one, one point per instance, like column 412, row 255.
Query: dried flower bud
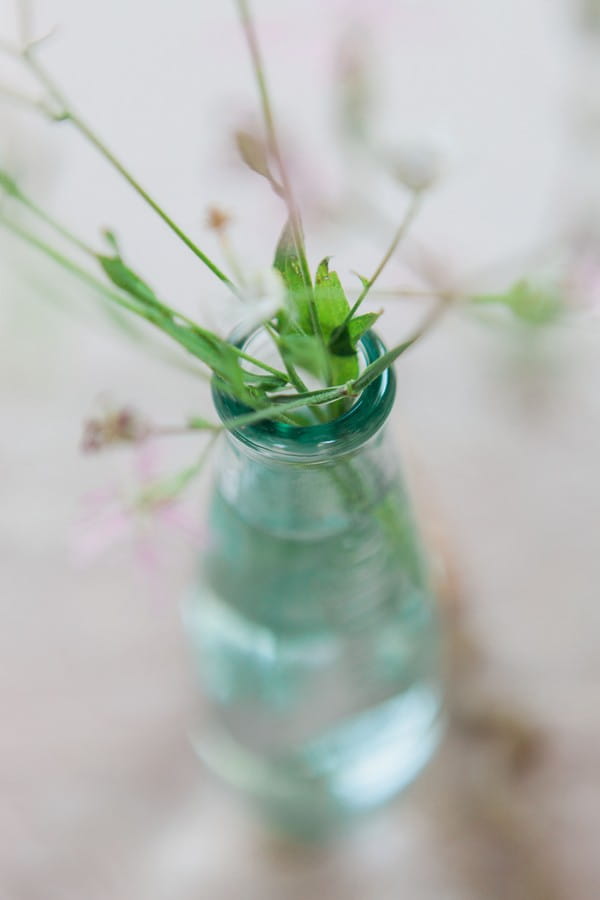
column 217, row 219
column 121, row 426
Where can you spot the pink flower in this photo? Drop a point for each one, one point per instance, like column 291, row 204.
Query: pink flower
column 142, row 514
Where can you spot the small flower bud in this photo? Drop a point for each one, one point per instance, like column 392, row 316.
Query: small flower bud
column 417, row 166
column 217, row 219
column 121, row 426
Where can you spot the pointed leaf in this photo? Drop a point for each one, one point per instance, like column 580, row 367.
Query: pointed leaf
column 361, row 324
column 126, row 279
column 303, row 351
column 344, row 340
column 363, row 279
column 333, row 308
column 111, row 239
column 287, row 263
column 219, row 355
column 332, row 305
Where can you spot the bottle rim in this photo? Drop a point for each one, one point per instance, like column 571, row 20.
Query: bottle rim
column 341, row 435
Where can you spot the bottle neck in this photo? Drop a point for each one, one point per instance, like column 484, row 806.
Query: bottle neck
column 319, row 443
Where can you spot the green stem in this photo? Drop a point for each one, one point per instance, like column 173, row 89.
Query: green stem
column 120, row 299
column 69, row 265
column 85, row 248
column 293, row 375
column 275, row 149
column 56, row 226
column 404, row 293
column 92, row 137
column 258, row 362
column 326, row 395
column 24, row 100
column 24, row 21
column 384, row 362
column 173, row 485
column 401, row 232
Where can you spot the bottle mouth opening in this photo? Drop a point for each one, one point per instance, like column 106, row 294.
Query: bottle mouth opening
column 343, row 434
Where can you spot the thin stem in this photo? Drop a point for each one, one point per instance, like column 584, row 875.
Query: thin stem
column 324, row 396
column 394, row 293
column 286, row 403
column 68, row 114
column 275, row 149
column 24, row 16
column 85, row 248
column 260, row 363
column 401, row 232
column 271, row 130
column 294, row 377
column 121, row 299
column 9, row 50
column 293, row 374
column 172, row 486
column 56, row 226
column 24, row 100
column 384, row 362
column 69, row 265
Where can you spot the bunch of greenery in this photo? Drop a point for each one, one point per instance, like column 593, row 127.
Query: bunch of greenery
column 308, row 316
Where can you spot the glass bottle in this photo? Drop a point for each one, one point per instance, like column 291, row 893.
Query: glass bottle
column 312, row 622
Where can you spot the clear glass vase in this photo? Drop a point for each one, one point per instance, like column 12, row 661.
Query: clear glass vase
column 312, row 622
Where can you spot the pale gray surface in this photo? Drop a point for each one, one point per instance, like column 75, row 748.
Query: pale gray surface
column 102, row 796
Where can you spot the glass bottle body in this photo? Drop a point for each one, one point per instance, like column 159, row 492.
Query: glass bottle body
column 314, row 629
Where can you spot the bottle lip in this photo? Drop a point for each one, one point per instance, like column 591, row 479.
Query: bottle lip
column 342, row 435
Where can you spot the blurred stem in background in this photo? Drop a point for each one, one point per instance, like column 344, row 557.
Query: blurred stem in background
column 64, row 112
column 584, row 124
column 273, row 144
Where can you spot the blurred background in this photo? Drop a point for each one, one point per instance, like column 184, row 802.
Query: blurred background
column 498, row 424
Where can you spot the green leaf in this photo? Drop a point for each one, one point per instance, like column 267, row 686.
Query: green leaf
column 363, row 279
column 202, row 424
column 218, row 355
column 529, row 303
column 286, row 405
column 303, row 351
column 332, row 309
column 111, row 239
column 360, row 325
column 344, row 340
column 126, row 279
column 264, row 382
column 344, row 368
column 380, row 365
column 288, row 264
column 332, row 305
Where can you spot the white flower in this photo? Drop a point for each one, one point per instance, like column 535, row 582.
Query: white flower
column 418, row 164
column 263, row 296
